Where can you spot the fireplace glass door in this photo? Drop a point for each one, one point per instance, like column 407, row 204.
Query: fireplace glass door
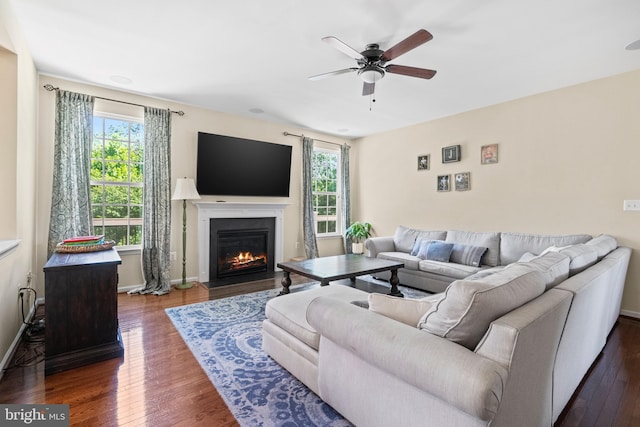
column 242, row 252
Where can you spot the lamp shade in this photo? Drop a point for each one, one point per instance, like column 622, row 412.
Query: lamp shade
column 185, row 190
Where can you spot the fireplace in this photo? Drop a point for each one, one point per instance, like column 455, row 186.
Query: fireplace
column 209, row 210
column 241, row 246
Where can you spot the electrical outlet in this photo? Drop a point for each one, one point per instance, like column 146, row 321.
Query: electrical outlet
column 173, row 256
column 631, row 205
column 297, row 245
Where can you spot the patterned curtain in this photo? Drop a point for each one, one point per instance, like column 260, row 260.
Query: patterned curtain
column 308, row 223
column 156, row 225
column 346, row 193
column 70, row 196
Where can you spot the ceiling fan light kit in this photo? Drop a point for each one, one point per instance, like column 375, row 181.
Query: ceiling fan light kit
column 372, row 62
column 371, row 75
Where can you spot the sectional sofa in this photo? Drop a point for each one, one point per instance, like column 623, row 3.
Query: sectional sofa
column 435, row 274
column 504, row 346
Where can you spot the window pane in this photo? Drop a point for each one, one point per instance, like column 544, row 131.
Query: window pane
column 137, row 132
column 97, row 126
column 116, row 150
column 135, row 235
column 135, row 212
column 137, row 153
column 117, row 234
column 96, row 149
column 136, row 195
column 332, row 185
column 96, row 210
column 96, row 195
column 96, row 170
column 116, row 194
column 322, row 227
column 116, row 212
column 331, row 226
column 136, row 172
column 116, row 129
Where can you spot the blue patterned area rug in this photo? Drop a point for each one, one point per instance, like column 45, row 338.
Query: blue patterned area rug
column 225, row 337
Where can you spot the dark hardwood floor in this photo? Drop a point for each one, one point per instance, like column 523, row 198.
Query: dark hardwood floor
column 159, row 382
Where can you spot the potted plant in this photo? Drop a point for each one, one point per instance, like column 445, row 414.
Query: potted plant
column 357, row 232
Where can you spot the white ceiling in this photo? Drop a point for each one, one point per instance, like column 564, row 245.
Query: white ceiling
column 242, row 55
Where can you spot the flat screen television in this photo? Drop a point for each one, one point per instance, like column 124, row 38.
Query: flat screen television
column 229, row 166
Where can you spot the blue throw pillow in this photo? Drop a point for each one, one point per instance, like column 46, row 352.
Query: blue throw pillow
column 435, row 251
column 418, row 245
column 467, row 254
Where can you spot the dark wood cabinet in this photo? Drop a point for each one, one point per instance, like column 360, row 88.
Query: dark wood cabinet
column 81, row 309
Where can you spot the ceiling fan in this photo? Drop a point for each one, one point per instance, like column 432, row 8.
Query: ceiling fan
column 372, row 62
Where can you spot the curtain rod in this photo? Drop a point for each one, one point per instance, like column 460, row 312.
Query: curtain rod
column 51, row 88
column 322, row 140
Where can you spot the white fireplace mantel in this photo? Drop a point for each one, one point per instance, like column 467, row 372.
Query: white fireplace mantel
column 208, row 210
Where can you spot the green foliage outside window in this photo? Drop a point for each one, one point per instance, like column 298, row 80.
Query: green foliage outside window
column 117, row 157
column 324, row 187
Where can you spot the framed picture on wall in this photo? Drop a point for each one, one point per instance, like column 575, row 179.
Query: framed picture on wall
column 451, row 154
column 423, row 162
column 444, row 182
column 463, row 181
column 489, row 154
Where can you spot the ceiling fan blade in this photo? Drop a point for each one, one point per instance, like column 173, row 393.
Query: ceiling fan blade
column 333, row 73
column 368, row 88
column 343, row 47
column 422, row 73
column 411, row 42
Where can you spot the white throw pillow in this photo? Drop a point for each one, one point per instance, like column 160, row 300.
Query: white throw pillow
column 468, row 307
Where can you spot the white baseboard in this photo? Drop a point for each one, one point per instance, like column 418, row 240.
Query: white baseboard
column 122, row 289
column 630, row 313
column 16, row 341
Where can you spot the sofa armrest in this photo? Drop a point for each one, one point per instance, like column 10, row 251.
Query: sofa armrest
column 448, row 371
column 375, row 245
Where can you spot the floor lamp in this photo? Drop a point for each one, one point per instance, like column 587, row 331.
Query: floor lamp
column 185, row 190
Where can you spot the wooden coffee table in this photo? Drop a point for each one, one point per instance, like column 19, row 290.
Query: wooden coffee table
column 327, row 269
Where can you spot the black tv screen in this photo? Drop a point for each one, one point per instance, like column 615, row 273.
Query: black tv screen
column 229, row 166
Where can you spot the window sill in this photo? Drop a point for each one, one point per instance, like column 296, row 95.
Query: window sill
column 7, row 246
column 129, row 250
column 329, row 236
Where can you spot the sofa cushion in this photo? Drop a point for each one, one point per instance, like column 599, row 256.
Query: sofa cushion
column 405, row 310
column 289, row 312
column 435, row 250
column 467, row 254
column 449, row 269
column 489, row 240
column 514, row 245
column 468, row 307
column 404, row 237
column 409, row 261
column 603, row 244
column 554, row 267
column 582, row 257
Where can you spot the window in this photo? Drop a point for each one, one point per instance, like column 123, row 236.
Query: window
column 325, row 188
column 117, row 159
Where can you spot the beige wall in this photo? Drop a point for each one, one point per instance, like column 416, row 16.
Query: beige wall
column 183, row 163
column 18, row 144
column 567, row 160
